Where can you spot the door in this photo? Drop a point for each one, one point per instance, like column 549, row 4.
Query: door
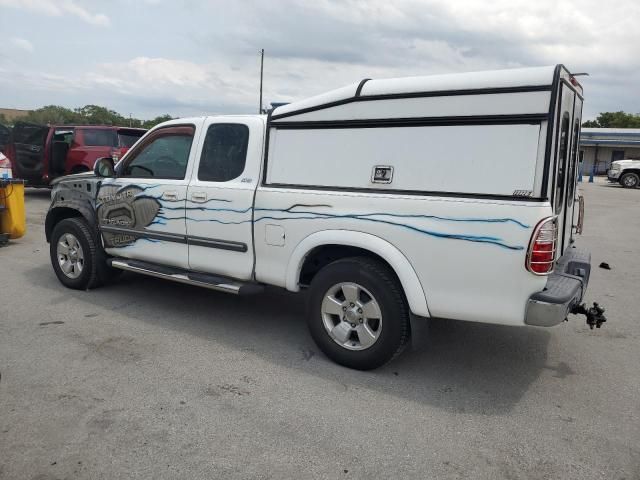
column 221, row 194
column 571, row 204
column 28, row 149
column 142, row 210
column 566, row 164
column 617, row 155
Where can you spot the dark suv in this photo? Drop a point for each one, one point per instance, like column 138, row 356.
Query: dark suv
column 40, row 153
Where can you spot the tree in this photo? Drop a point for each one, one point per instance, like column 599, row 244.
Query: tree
column 96, row 115
column 53, row 115
column 614, row 120
column 3, row 119
column 152, row 123
column 87, row 115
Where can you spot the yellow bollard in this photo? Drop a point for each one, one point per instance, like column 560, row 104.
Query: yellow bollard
column 13, row 219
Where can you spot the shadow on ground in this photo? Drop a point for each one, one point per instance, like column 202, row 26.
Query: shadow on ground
column 456, row 366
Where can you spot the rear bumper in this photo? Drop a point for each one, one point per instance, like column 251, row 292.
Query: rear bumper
column 565, row 289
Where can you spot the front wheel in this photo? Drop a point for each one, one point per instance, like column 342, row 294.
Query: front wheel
column 74, row 254
column 358, row 315
column 630, row 180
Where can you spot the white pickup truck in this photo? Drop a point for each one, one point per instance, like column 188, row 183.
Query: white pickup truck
column 625, row 172
column 392, row 201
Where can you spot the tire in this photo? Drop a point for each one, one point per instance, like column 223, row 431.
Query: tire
column 349, row 340
column 82, row 261
column 630, row 180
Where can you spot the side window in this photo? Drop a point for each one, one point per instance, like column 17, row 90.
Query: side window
column 562, row 162
column 99, row 137
column 164, row 157
column 573, row 165
column 224, row 153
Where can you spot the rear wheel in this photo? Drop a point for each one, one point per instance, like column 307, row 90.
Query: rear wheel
column 630, row 180
column 358, row 315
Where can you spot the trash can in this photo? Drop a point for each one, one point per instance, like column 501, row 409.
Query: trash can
column 13, row 221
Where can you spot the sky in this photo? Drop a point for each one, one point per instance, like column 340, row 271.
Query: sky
column 188, row 57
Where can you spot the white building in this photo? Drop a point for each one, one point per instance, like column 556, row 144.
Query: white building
column 601, row 146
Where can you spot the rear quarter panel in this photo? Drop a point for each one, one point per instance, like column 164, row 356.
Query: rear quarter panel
column 469, row 254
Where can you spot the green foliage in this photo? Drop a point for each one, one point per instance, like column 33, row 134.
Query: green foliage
column 152, row 123
column 614, row 120
column 3, row 119
column 87, row 115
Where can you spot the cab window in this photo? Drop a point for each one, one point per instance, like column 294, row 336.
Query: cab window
column 164, row 156
column 224, row 152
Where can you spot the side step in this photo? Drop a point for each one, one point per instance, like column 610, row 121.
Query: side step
column 213, row 282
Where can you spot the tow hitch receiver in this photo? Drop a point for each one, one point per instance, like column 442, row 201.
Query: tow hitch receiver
column 595, row 315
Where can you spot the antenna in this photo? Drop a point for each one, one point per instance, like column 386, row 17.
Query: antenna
column 261, row 74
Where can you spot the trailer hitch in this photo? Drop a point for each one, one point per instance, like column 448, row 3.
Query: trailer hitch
column 595, row 315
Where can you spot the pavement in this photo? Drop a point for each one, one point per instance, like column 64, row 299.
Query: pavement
column 151, row 379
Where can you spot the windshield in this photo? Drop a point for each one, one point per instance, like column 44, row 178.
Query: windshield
column 100, row 138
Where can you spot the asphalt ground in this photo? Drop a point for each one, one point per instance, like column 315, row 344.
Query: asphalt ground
column 152, row 379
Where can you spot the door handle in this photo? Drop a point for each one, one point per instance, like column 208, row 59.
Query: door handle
column 199, row 197
column 170, row 195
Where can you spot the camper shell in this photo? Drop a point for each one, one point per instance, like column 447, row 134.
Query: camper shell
column 450, row 196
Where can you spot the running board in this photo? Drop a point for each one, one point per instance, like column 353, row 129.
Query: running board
column 212, row 282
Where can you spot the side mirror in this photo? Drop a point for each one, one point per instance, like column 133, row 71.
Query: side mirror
column 104, row 167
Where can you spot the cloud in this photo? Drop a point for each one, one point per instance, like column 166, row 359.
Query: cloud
column 196, row 58
column 21, row 44
column 57, row 8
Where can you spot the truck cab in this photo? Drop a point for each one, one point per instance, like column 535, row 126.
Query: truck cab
column 354, row 195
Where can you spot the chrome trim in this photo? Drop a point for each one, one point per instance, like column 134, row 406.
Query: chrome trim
column 177, row 277
column 527, row 261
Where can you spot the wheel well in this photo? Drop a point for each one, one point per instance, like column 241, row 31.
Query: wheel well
column 322, row 256
column 630, row 170
column 56, row 216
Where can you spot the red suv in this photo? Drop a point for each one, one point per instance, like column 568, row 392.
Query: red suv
column 40, row 153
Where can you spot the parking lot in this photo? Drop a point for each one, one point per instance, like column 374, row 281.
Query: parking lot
column 152, row 379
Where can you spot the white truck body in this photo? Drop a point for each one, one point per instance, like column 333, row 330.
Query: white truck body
column 444, row 179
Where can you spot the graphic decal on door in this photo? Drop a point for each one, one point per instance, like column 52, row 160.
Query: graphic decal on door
column 126, row 208
column 130, row 208
column 305, row 212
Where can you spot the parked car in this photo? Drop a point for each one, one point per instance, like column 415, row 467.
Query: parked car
column 41, row 153
column 359, row 196
column 625, row 172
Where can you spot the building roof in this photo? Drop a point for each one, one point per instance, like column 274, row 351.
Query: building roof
column 610, row 136
column 610, row 131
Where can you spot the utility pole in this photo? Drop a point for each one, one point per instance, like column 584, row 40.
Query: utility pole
column 261, row 73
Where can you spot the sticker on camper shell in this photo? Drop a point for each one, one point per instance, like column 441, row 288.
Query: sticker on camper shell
column 382, row 174
column 123, row 207
column 522, row 193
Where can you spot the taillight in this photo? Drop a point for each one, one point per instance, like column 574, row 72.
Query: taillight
column 542, row 247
